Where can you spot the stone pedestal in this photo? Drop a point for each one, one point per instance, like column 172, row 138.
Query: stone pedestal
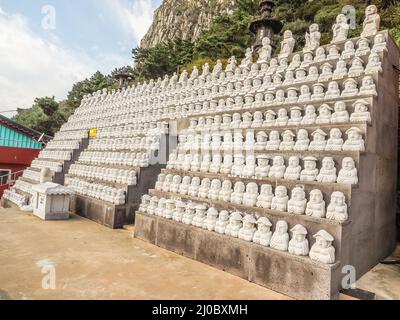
column 51, row 201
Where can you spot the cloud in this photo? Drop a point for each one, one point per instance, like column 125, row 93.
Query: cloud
column 134, row 16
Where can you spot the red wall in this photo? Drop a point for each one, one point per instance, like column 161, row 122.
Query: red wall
column 16, row 159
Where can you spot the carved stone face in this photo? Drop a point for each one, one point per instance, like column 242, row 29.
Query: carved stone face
column 282, row 113
column 338, row 199
column 263, row 228
column 295, row 114
column 316, row 196
column 341, row 18
column 262, row 162
column 335, row 133
column 227, row 185
column 298, row 194
column 370, row 10
column 360, row 107
column 266, row 189
column 310, row 165
column 319, row 137
column 239, row 187
column 354, row 136
column 348, row 164
column 328, row 163
column 274, row 136
column 294, row 162
column 367, row 81
column 310, row 110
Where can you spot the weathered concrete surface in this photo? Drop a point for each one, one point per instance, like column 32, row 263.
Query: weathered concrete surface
column 94, row 262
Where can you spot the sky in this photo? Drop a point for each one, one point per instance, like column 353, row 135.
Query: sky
column 48, row 45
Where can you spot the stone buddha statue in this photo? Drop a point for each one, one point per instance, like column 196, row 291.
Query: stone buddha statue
column 280, row 200
column 263, row 167
column 270, row 118
column 226, row 191
column 318, row 143
column 222, row 223
column 310, row 115
column 265, row 52
column 280, row 238
column 310, row 171
column 179, row 211
column 372, row 21
column 257, row 120
column 264, row 200
column 274, row 141
column 288, row 142
column 211, row 219
column 298, row 245
column 194, row 187
column 297, row 203
column 340, row 29
column 348, row 174
column 185, row 185
column 320, row 54
column 324, row 114
column 263, row 234
column 368, row 86
column 204, row 188
column 215, row 189
column 251, row 195
column 374, row 64
column 248, row 230
column 293, row 170
column 337, row 209
column 238, row 192
column 227, row 164
column 316, row 206
column 349, row 50
column 295, row 63
column 235, row 224
column 287, row 44
column 361, row 112
column 277, row 171
column 261, row 141
column 379, row 43
column 295, row 116
column 355, row 141
column 327, row 173
column 335, row 141
column 322, row 250
column 200, row 215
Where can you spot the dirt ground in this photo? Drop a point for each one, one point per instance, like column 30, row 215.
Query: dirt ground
column 79, row 259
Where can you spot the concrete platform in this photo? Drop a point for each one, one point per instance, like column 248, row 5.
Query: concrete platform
column 95, row 262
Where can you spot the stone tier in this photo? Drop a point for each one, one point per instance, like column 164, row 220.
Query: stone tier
column 298, row 277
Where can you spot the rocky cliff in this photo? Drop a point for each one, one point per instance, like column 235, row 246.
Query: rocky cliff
column 184, row 19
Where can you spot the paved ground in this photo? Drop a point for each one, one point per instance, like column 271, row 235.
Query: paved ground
column 93, row 262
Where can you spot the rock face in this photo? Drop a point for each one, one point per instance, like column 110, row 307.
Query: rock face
column 184, row 19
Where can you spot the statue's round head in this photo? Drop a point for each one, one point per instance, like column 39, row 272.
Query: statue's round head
column 287, row 34
column 341, row 18
column 281, row 227
column 239, row 187
column 370, row 10
column 348, row 163
column 328, row 163
column 294, row 161
column 338, row 198
column 314, row 27
column 266, row 41
column 316, row 196
column 266, row 189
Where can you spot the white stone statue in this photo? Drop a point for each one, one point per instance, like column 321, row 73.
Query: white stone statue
column 333, row 53
column 282, row 118
column 227, row 165
column 324, row 113
column 361, row 112
column 167, row 183
column 374, row 64
column 355, row 141
column 318, row 92
column 379, row 43
column 274, row 141
column 293, row 170
column 295, row 116
column 308, row 58
column 298, row 202
column 216, row 163
column 310, row 171
column 350, row 88
column 320, row 54
column 160, row 210
column 211, row 219
column 302, row 140
column 337, row 209
column 226, row 191
column 372, row 21
column 251, row 195
column 265, row 52
column 319, row 141
column 250, row 166
column 270, row 118
column 261, row 141
column 340, row 70
column 340, row 29
column 184, row 187
column 357, row 67
column 316, row 206
column 160, row 182
column 288, row 142
column 368, row 86
column 263, row 167
column 238, row 193
column 349, row 50
column 257, row 120
column 298, row 245
column 248, row 230
column 200, row 216
column 231, row 66
column 204, row 188
column 335, row 141
column 215, row 189
column 340, row 114
column 287, row 44
column 169, row 208
column 322, row 250
column 313, row 38
column 348, row 174
column 300, row 75
column 235, row 224
column 280, row 201
column 190, row 213
column 264, row 200
column 238, row 165
column 277, row 171
column 217, row 68
column 280, row 238
column 363, row 47
column 179, row 211
column 222, row 223
column 248, row 59
column 327, row 174
column 263, row 234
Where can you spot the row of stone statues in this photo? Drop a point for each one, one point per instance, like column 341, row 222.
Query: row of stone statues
column 295, row 116
column 249, row 195
column 246, row 227
column 258, row 167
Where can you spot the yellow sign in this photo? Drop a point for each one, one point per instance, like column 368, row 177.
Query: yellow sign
column 93, row 133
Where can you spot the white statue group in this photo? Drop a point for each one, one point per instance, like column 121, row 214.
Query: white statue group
column 247, row 227
column 253, row 196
